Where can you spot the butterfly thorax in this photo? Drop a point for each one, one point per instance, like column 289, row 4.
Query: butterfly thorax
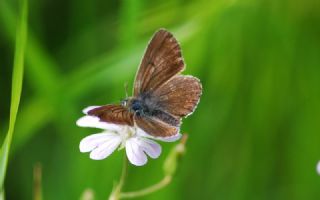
column 140, row 105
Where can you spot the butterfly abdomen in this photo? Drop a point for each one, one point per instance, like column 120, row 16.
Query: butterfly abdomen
column 166, row 117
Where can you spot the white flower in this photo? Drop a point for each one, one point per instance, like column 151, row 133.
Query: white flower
column 137, row 143
column 318, row 167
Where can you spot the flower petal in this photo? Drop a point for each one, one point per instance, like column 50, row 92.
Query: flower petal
column 87, row 109
column 172, row 138
column 105, row 149
column 94, row 122
column 134, row 153
column 318, row 167
column 92, row 141
column 150, row 147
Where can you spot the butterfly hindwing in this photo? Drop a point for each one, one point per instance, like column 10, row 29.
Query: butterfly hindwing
column 179, row 96
column 155, row 127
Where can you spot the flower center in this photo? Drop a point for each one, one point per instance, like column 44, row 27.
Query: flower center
column 126, row 133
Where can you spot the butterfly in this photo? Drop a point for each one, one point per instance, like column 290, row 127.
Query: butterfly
column 162, row 96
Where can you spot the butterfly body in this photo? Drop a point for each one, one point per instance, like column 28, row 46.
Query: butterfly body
column 161, row 95
column 146, row 105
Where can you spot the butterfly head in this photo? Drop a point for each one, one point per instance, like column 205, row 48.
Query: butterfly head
column 125, row 102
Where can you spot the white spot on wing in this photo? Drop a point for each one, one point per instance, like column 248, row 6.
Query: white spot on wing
column 87, row 109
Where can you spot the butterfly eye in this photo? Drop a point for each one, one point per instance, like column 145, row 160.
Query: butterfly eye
column 124, row 103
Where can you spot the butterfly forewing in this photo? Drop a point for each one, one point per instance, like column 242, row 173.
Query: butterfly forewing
column 156, row 127
column 180, row 95
column 162, row 60
column 115, row 114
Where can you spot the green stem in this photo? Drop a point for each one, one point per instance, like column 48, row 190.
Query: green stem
column 124, row 172
column 37, row 182
column 115, row 195
column 164, row 182
column 169, row 169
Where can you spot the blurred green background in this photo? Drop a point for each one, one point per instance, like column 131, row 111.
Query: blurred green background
column 255, row 134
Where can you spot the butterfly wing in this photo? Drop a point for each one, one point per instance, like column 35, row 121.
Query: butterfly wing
column 162, row 60
column 173, row 96
column 115, row 114
column 179, row 96
column 155, row 127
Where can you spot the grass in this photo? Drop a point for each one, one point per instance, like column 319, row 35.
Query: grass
column 17, row 80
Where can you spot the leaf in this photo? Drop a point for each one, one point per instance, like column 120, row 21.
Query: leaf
column 17, row 77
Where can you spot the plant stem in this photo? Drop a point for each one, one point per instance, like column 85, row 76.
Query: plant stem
column 115, row 195
column 164, row 182
column 124, row 172
column 37, row 182
column 169, row 169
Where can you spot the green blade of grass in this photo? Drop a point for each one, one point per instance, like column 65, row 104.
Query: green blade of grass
column 17, row 76
column 2, row 194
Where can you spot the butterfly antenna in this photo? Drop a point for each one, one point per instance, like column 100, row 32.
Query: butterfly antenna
column 126, row 89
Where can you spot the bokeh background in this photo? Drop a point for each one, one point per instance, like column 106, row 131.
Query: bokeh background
column 255, row 134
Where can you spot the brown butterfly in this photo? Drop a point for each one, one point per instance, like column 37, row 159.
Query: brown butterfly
column 161, row 95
